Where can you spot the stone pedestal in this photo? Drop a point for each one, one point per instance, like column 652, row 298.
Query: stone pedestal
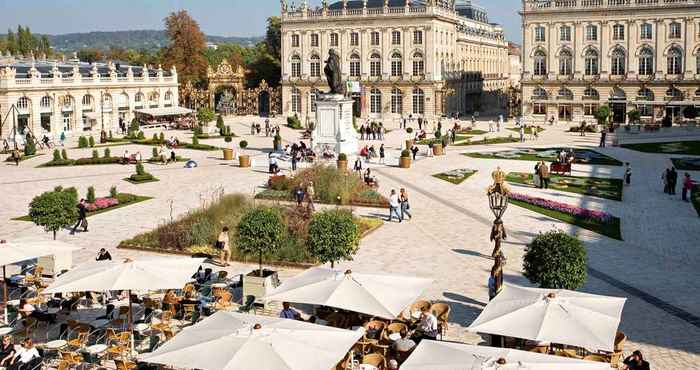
column 334, row 128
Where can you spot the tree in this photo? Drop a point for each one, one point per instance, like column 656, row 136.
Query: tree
column 11, row 42
column 90, row 55
column 90, row 197
column 333, row 236
column 634, row 116
column 187, row 45
column 260, row 232
column 265, row 67
column 273, row 37
column 556, row 260
column 690, row 112
column 54, row 210
column 602, row 114
column 205, row 115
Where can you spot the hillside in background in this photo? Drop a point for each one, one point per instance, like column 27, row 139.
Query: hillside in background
column 141, row 39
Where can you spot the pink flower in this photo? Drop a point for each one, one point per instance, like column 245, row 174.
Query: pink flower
column 589, row 214
column 102, row 203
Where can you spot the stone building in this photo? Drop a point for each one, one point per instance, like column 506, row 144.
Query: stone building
column 399, row 57
column 54, row 97
column 628, row 54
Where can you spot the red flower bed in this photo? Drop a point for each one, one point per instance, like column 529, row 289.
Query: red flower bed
column 102, row 203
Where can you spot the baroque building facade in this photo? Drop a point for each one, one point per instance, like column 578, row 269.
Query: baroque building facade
column 629, row 54
column 400, row 57
column 53, row 97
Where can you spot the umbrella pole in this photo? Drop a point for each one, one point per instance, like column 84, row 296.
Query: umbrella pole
column 131, row 331
column 4, row 295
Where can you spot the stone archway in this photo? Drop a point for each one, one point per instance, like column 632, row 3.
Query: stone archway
column 225, row 79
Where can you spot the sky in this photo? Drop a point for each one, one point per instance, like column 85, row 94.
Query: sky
column 215, row 17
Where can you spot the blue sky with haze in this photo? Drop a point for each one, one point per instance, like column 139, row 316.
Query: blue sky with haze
column 216, row 17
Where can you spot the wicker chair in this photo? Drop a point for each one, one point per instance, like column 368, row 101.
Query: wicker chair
column 442, row 313
column 80, row 341
column 72, row 358
column 419, row 305
column 374, row 359
column 121, row 348
column 225, row 301
column 124, row 365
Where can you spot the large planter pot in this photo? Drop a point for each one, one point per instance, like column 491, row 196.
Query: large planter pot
column 437, row 149
column 228, row 154
column 244, row 161
column 405, row 162
column 342, row 165
column 259, row 286
column 409, row 144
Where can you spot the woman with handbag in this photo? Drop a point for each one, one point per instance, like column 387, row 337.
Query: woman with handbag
column 405, row 206
column 222, row 244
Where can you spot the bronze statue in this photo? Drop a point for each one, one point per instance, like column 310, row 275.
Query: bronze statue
column 498, row 234
column 332, row 71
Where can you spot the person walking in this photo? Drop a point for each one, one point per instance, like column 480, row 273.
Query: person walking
column 603, row 138
column 420, row 123
column 405, row 206
column 499, row 123
column 490, row 125
column 62, row 138
column 381, row 154
column 358, row 166
column 394, row 204
column 628, row 173
column 299, row 195
column 687, row 187
column 294, row 161
column 544, row 175
column 583, row 128
column 310, row 195
column 664, row 180
column 522, row 133
column 16, row 156
column 222, row 244
column 672, row 181
column 82, row 217
column 414, row 151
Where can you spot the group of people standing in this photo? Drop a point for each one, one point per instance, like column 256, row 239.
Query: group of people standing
column 372, row 131
column 541, row 176
column 670, row 181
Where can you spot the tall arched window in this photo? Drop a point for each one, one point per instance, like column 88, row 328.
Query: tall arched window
column 152, row 99
column 375, row 101
column 697, row 63
column 107, row 101
column 565, row 62
column 645, row 95
column 418, row 101
column 675, row 61
column 396, row 65
column 354, row 65
column 315, row 66
column 87, row 100
column 123, row 99
column 396, row 101
column 591, row 61
column 296, row 100
column 646, row 62
column 375, row 65
column 23, row 103
column 618, row 62
column 591, row 93
column 45, row 102
column 419, row 64
column 168, row 96
column 540, row 63
column 296, row 66
column 313, row 95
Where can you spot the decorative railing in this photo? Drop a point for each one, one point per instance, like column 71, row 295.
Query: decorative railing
column 5, row 82
column 535, row 5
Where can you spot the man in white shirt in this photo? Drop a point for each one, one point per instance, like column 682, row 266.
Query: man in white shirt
column 25, row 356
column 427, row 327
column 394, row 205
column 288, row 312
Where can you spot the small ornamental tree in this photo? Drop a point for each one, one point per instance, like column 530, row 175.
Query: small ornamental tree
column 91, row 141
column 54, row 210
column 205, row 115
column 30, row 146
column 134, row 127
column 634, row 116
column 602, row 114
column 95, row 154
column 82, row 142
column 219, row 122
column 64, row 154
column 90, row 197
column 56, row 155
column 556, row 260
column 113, row 192
column 260, row 232
column 195, row 140
column 333, row 236
column 108, row 153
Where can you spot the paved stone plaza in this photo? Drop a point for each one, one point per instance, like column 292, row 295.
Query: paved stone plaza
column 448, row 238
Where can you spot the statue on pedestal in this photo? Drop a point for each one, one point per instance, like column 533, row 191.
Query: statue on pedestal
column 333, row 75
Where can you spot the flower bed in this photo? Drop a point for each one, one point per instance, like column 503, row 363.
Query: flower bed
column 455, row 176
column 686, row 164
column 593, row 186
column 102, row 203
column 582, row 156
column 597, row 221
column 486, row 140
column 673, row 147
column 105, row 204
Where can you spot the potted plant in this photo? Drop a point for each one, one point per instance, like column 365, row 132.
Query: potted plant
column 342, row 162
column 405, row 159
column 243, row 159
column 409, row 141
column 633, row 117
column 277, row 143
column 602, row 115
column 228, row 154
column 437, row 148
column 260, row 232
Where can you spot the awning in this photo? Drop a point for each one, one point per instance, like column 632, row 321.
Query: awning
column 165, row 111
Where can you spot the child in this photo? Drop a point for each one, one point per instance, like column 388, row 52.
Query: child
column 628, row 173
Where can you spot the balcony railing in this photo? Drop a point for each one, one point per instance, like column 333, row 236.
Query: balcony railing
column 83, row 80
column 535, row 5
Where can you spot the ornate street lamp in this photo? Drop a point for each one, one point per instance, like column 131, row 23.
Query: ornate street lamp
column 498, row 203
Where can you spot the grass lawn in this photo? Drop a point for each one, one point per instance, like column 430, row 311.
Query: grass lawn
column 471, row 132
column 673, row 147
column 528, row 129
column 134, row 199
column 455, row 176
column 583, row 156
column 486, row 140
column 686, row 164
column 611, row 230
column 439, row 141
column 594, row 186
column 128, row 179
column 23, row 157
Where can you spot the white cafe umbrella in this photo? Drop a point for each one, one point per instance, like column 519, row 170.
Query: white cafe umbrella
column 557, row 316
column 228, row 340
column 23, row 249
column 384, row 296
column 436, row 355
column 149, row 273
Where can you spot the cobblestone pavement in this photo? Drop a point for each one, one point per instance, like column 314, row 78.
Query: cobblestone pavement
column 447, row 240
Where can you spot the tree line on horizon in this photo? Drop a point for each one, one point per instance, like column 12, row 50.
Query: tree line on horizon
column 24, row 42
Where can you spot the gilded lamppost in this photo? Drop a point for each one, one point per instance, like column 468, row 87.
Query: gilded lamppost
column 498, row 203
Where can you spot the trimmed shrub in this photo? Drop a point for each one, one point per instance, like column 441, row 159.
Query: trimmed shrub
column 219, row 122
column 95, row 154
column 293, row 122
column 91, row 141
column 155, row 137
column 154, row 152
column 82, row 142
column 139, row 169
column 409, row 130
column 243, row 144
column 56, row 155
column 64, row 154
column 260, row 232
column 140, row 135
column 90, row 197
column 30, row 146
column 405, row 153
column 228, row 139
column 195, row 140
column 113, row 192
column 556, row 260
column 108, row 153
column 333, row 236
column 161, row 137
column 342, row 157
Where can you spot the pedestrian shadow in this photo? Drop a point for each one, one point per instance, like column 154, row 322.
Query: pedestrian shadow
column 472, row 253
